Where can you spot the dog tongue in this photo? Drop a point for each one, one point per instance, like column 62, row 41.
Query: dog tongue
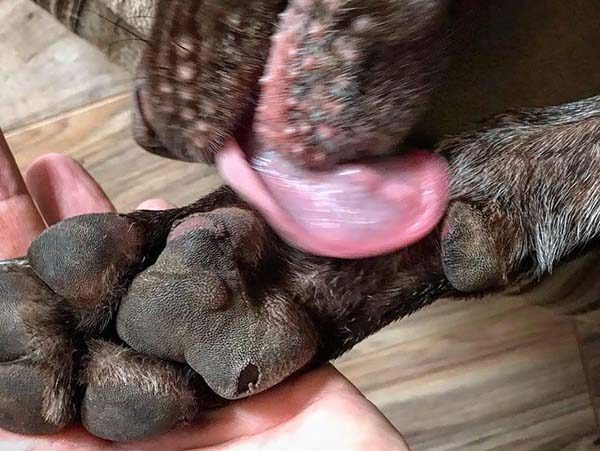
column 352, row 211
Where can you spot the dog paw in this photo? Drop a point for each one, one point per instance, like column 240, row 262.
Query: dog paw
column 36, row 355
column 137, row 323
column 523, row 196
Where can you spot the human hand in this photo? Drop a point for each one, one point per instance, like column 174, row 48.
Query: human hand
column 317, row 411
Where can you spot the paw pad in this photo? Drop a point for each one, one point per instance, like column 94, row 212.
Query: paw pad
column 469, row 255
column 137, row 323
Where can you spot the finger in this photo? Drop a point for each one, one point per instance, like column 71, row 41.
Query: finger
column 155, row 204
column 20, row 221
column 62, row 188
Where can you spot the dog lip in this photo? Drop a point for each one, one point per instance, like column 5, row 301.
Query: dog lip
column 143, row 132
column 140, row 110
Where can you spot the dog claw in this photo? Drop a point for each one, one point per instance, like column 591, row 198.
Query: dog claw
column 14, row 264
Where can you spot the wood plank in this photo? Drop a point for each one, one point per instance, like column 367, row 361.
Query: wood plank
column 574, row 291
column 99, row 137
column 491, row 375
column 46, row 69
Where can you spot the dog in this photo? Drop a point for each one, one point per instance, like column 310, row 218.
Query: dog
column 325, row 95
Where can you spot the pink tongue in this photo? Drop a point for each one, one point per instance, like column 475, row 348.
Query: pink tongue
column 353, row 211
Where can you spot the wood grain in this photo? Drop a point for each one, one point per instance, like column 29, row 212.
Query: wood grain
column 99, row 137
column 488, row 375
column 45, row 69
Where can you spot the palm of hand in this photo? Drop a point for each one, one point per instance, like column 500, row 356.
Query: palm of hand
column 319, row 410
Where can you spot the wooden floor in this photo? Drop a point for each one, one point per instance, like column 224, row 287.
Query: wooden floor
column 503, row 374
